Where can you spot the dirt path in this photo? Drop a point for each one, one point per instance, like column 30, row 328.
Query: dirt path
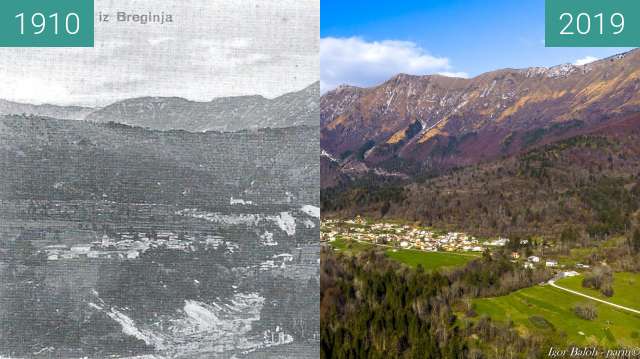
column 553, row 284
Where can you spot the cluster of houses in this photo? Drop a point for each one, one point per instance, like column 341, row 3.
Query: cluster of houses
column 412, row 237
column 403, row 236
column 128, row 246
column 533, row 261
column 277, row 261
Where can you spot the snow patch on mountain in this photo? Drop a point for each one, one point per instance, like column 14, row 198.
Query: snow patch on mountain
column 310, row 210
column 130, row 328
column 329, row 156
column 286, row 222
column 198, row 328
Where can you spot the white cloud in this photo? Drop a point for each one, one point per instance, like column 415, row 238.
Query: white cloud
column 454, row 74
column 585, row 60
column 213, row 48
column 355, row 61
column 25, row 87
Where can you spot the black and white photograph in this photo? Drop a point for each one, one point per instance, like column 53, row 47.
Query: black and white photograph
column 159, row 192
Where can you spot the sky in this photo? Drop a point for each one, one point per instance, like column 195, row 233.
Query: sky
column 214, row 48
column 363, row 43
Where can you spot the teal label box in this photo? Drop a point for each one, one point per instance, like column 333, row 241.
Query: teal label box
column 46, row 23
column 592, row 23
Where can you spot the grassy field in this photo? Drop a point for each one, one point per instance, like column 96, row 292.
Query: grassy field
column 349, row 246
column 626, row 287
column 581, row 255
column 429, row 260
column 549, row 311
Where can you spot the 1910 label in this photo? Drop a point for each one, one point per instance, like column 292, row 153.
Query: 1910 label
column 46, row 23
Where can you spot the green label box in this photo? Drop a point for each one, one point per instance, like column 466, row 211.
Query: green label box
column 46, row 23
column 592, row 23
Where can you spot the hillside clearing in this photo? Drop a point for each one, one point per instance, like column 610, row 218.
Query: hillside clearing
column 529, row 308
column 410, row 257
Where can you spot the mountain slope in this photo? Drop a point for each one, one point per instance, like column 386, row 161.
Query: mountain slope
column 589, row 182
column 44, row 158
column 62, row 112
column 417, row 124
column 222, row 114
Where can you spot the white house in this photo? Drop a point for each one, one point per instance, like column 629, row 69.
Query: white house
column 568, row 274
column 551, row 263
column 500, row 242
column 69, row 255
column 285, row 257
column 81, row 248
column 534, row 259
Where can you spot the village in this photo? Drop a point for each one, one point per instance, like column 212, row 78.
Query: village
column 404, row 236
column 129, row 246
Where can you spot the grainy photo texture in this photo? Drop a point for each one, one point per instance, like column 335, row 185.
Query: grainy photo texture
column 159, row 193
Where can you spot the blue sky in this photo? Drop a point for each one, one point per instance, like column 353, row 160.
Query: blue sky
column 473, row 36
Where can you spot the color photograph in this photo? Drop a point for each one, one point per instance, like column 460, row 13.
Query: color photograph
column 480, row 187
column 159, row 191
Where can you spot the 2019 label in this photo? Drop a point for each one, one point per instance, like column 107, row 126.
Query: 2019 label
column 582, row 23
column 592, row 23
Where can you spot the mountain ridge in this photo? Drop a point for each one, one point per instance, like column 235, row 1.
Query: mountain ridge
column 225, row 114
column 138, row 164
column 58, row 111
column 415, row 124
column 221, row 114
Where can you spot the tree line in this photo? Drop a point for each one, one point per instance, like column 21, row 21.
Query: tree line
column 373, row 307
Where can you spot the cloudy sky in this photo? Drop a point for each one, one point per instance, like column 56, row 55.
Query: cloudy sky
column 365, row 45
column 214, row 48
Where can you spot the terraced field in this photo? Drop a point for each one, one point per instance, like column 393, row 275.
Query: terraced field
column 549, row 311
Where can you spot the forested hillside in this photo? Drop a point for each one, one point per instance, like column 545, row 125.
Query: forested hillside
column 43, row 158
column 589, row 182
column 371, row 307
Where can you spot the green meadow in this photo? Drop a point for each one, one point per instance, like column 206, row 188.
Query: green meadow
column 349, row 246
column 626, row 287
column 429, row 260
column 549, row 311
column 410, row 257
